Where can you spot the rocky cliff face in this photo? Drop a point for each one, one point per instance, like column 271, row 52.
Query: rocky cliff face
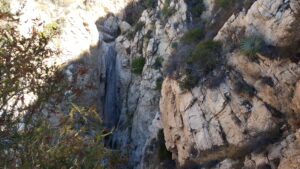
column 249, row 120
column 207, row 124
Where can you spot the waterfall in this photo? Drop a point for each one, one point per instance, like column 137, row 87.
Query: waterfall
column 111, row 109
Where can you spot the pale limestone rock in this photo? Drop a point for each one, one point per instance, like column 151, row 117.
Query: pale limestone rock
column 274, row 20
column 152, row 47
column 227, row 164
column 124, row 26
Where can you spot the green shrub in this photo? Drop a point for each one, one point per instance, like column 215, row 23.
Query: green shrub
column 174, row 45
column 193, row 35
column 252, row 45
column 133, row 12
column 150, row 3
column 166, row 11
column 79, row 137
column 243, row 88
column 138, row 65
column 224, row 3
column 130, row 35
column 139, row 26
column 188, row 82
column 196, row 7
column 159, row 82
column 27, row 138
column 205, row 54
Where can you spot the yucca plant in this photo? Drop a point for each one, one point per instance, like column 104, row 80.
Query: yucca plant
column 252, row 45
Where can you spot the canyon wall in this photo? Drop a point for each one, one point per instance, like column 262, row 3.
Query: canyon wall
column 204, row 127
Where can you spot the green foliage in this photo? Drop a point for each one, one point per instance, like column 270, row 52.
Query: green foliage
column 252, row 45
column 130, row 35
column 205, row 54
column 193, row 35
column 174, row 45
column 150, row 3
column 23, row 69
column 139, row 26
column 243, row 88
column 138, row 65
column 76, row 143
column 159, row 82
column 27, row 139
column 225, row 3
column 51, row 29
column 189, row 80
column 166, row 11
column 196, row 7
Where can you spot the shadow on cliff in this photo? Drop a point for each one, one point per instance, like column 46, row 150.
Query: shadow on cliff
column 94, row 76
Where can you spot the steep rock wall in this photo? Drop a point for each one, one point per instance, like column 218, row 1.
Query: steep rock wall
column 211, row 124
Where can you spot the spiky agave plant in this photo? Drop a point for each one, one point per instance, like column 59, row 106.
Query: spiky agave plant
column 252, row 45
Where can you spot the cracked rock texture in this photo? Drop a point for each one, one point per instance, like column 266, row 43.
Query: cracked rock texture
column 214, row 124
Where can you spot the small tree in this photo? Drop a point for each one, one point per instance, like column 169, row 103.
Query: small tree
column 138, row 65
column 205, row 54
column 27, row 139
column 193, row 35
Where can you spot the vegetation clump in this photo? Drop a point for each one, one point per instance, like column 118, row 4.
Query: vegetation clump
column 225, row 3
column 205, row 54
column 196, row 7
column 190, row 79
column 158, row 83
column 139, row 26
column 138, row 65
column 174, row 45
column 252, row 45
column 166, row 10
column 28, row 139
column 149, row 4
column 243, row 88
column 192, row 62
column 193, row 35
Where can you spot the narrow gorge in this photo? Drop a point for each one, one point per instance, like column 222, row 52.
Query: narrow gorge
column 191, row 84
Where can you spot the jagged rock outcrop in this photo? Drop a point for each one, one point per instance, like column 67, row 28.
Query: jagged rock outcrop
column 209, row 124
column 139, row 92
column 276, row 21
